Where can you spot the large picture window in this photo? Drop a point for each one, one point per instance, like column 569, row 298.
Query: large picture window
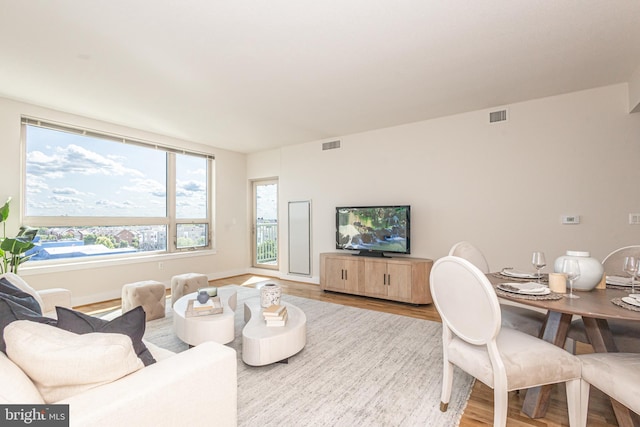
column 96, row 194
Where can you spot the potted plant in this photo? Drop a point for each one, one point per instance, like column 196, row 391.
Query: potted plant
column 12, row 249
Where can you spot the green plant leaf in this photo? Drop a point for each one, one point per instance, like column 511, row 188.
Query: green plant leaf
column 4, row 210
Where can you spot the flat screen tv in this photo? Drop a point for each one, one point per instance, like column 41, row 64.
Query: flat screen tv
column 374, row 230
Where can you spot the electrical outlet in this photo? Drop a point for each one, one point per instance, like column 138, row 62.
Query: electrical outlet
column 634, row 218
column 161, row 266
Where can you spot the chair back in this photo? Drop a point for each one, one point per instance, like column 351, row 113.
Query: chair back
column 472, row 254
column 465, row 299
column 612, row 263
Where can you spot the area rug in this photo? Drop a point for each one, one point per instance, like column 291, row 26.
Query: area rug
column 359, row 368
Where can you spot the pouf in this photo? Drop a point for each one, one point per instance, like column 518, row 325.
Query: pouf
column 186, row 283
column 149, row 294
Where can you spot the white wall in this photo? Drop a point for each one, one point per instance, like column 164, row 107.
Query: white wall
column 95, row 282
column 501, row 186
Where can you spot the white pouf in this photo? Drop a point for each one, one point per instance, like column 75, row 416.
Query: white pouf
column 187, row 283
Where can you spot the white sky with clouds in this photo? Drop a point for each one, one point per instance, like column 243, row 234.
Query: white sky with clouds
column 73, row 175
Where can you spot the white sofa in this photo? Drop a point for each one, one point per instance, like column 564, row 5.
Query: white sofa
column 197, row 387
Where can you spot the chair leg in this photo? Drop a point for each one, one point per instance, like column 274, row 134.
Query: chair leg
column 447, row 383
column 584, row 402
column 574, row 402
column 500, row 406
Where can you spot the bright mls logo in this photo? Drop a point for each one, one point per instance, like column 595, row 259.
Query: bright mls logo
column 34, row 415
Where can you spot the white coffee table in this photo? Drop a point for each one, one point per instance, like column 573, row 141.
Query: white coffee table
column 198, row 329
column 263, row 345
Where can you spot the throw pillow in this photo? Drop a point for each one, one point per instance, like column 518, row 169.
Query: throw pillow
column 62, row 364
column 18, row 282
column 11, row 311
column 131, row 323
column 17, row 295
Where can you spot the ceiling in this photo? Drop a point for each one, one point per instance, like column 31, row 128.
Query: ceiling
column 250, row 75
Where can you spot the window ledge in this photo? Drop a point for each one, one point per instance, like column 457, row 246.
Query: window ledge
column 32, row 268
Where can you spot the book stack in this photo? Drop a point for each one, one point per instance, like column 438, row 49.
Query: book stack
column 275, row 315
column 212, row 306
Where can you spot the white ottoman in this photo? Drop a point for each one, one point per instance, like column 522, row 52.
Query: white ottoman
column 187, row 283
column 149, row 294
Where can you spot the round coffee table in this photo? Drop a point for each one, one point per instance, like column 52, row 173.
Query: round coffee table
column 262, row 344
column 215, row 327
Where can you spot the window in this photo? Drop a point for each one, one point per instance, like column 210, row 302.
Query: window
column 91, row 194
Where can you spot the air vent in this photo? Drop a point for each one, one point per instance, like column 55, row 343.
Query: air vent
column 497, row 116
column 330, row 145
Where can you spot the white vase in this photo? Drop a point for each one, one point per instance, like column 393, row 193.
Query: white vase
column 270, row 295
column 591, row 270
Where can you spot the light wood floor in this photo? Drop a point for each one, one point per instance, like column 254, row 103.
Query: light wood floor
column 479, row 410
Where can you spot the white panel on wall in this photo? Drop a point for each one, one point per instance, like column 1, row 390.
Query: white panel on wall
column 300, row 237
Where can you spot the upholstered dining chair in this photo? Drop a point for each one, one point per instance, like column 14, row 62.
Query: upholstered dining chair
column 502, row 358
column 513, row 316
column 625, row 333
column 615, row 374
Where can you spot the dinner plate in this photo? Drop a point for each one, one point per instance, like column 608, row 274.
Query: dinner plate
column 528, row 288
column 510, row 272
column 618, row 280
column 631, row 301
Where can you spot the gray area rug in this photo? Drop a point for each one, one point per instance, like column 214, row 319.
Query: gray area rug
column 359, row 368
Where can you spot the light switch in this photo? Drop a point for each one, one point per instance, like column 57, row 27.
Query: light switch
column 634, row 218
column 571, row 219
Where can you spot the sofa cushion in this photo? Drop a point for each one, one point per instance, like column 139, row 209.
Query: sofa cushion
column 18, row 282
column 11, row 311
column 16, row 386
column 62, row 364
column 17, row 295
column 131, row 323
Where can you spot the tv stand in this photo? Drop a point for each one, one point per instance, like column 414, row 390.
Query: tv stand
column 401, row 279
column 372, row 254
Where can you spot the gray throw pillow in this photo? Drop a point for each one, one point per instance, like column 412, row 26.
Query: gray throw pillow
column 11, row 311
column 17, row 295
column 131, row 323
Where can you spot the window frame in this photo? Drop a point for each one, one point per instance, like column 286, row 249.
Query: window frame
column 169, row 220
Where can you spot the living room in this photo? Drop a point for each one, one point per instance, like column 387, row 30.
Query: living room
column 569, row 145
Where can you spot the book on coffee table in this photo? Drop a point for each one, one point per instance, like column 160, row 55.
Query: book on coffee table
column 212, row 306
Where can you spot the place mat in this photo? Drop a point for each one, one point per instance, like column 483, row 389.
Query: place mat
column 622, row 287
column 620, row 303
column 548, row 297
column 498, row 275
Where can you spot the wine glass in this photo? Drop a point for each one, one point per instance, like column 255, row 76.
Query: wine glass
column 539, row 263
column 630, row 267
column 571, row 268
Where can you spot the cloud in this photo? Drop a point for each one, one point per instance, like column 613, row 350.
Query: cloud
column 77, row 160
column 148, row 186
column 66, row 190
column 66, row 200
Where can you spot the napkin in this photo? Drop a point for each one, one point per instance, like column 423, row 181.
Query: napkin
column 518, row 273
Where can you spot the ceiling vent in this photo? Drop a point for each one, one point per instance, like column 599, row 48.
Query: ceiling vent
column 330, row 145
column 497, row 116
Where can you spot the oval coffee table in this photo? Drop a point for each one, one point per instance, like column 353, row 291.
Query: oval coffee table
column 262, row 344
column 215, row 327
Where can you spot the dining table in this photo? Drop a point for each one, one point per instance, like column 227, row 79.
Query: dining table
column 595, row 307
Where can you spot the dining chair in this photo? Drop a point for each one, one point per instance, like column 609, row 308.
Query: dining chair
column 502, row 358
column 625, row 333
column 513, row 315
column 615, row 374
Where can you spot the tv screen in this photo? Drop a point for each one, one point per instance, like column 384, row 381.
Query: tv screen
column 374, row 230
